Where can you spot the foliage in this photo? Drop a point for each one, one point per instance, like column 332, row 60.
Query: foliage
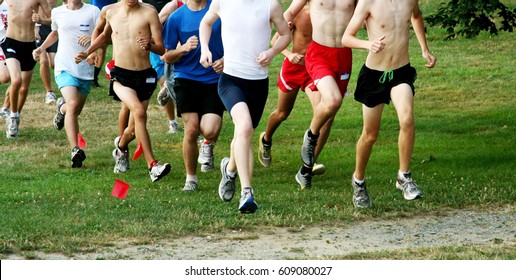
column 469, row 17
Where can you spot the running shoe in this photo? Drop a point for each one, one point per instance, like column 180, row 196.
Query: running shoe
column 360, row 196
column 59, row 118
column 50, row 97
column 78, row 156
column 264, row 152
column 408, row 187
column 227, row 184
column 247, row 204
column 159, row 171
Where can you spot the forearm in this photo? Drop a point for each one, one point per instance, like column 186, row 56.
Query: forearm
column 353, row 42
column 281, row 44
column 419, row 30
column 173, row 56
column 50, row 40
column 96, row 44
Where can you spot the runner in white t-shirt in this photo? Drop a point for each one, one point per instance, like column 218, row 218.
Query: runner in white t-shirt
column 73, row 24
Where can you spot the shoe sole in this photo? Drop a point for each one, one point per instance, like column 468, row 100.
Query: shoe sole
column 301, row 185
column 248, row 207
column 399, row 187
column 260, row 145
column 221, row 195
column 77, row 161
column 205, row 168
column 163, row 174
column 319, row 169
column 358, row 205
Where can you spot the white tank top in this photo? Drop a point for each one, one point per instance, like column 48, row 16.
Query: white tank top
column 246, row 32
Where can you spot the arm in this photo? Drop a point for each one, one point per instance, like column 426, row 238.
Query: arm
column 172, row 56
column 205, row 29
column 295, row 7
column 157, row 45
column 95, row 44
column 284, row 39
column 46, row 11
column 349, row 38
column 419, row 30
column 36, row 18
column 168, row 9
column 51, row 39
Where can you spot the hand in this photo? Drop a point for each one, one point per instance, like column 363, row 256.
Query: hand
column 92, row 58
column 296, row 58
column 84, row 40
column 191, row 43
column 35, row 17
column 430, row 58
column 265, row 58
column 218, row 66
column 80, row 57
column 145, row 43
column 36, row 53
column 377, row 45
column 205, row 59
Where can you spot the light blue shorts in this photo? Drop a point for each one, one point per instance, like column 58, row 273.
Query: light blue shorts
column 64, row 79
column 157, row 64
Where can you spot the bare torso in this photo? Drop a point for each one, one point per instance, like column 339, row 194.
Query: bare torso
column 20, row 23
column 302, row 33
column 329, row 20
column 395, row 26
column 128, row 24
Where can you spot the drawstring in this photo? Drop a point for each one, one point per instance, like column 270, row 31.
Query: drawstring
column 386, row 74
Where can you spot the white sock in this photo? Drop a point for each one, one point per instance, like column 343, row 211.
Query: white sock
column 191, row 178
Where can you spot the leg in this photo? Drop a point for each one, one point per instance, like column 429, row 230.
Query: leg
column 123, row 118
column 74, row 103
column 329, row 104
column 139, row 113
column 371, row 126
column 24, row 89
column 16, row 82
column 4, row 72
column 241, row 154
column 44, row 72
column 286, row 102
column 190, row 152
column 403, row 100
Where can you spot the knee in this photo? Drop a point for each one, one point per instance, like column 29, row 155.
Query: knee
column 369, row 137
column 407, row 122
column 139, row 113
column 245, row 131
column 333, row 104
column 282, row 115
column 24, row 89
column 191, row 132
column 4, row 78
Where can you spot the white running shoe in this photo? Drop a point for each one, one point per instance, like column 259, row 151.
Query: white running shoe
column 50, row 97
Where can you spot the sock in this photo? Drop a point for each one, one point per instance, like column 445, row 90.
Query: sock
column 403, row 174
column 311, row 135
column 305, row 170
column 15, row 114
column 246, row 190
column 191, row 178
column 359, row 182
column 172, row 122
column 231, row 175
column 265, row 142
column 96, row 73
column 206, row 142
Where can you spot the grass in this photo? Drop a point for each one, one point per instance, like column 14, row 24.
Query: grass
column 464, row 158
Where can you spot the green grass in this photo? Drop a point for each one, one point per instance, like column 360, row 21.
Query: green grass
column 464, row 158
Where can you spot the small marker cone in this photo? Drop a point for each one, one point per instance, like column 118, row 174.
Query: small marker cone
column 120, row 189
column 81, row 141
column 138, row 152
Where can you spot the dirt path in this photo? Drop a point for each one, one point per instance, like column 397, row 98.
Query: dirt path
column 453, row 228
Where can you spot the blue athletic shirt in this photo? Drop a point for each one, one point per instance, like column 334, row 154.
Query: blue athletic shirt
column 183, row 24
column 101, row 3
